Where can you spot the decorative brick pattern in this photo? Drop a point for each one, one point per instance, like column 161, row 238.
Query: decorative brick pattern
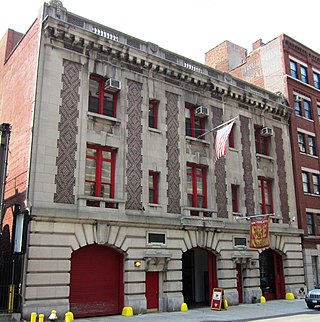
column 220, row 173
column 247, row 165
column 134, row 141
column 68, row 130
column 173, row 154
column 284, row 202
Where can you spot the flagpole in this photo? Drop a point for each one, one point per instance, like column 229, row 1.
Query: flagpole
column 217, row 127
column 256, row 216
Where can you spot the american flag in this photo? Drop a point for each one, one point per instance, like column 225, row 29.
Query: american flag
column 221, row 140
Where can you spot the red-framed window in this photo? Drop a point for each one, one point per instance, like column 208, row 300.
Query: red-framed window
column 100, row 173
column 153, row 113
column 197, row 185
column 153, row 187
column 262, row 142
column 265, row 200
column 231, row 137
column 100, row 100
column 195, row 126
column 235, row 198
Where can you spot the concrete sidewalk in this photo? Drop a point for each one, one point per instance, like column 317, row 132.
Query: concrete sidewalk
column 243, row 312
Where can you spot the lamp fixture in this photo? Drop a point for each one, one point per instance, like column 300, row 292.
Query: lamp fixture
column 137, row 263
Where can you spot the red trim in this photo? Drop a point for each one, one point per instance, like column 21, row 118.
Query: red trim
column 231, row 138
column 194, row 176
column 234, row 193
column 155, row 108
column 265, row 185
column 98, row 173
column 101, row 96
column 193, row 120
column 239, row 282
column 212, row 272
column 155, row 188
column 262, row 143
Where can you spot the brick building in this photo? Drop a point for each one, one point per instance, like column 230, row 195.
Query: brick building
column 287, row 67
column 127, row 205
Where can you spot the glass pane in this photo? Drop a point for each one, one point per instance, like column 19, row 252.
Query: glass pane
column 189, row 201
column 106, row 172
column 198, row 126
column 105, row 191
column 200, row 186
column 106, row 154
column 89, row 189
column 189, row 185
column 90, row 169
column 188, row 127
column 91, row 152
column 108, row 105
column 93, row 96
column 151, row 196
column 151, row 182
column 200, row 201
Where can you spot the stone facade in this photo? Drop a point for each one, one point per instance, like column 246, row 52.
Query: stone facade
column 62, row 223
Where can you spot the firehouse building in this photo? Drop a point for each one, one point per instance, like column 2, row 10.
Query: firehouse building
column 126, row 202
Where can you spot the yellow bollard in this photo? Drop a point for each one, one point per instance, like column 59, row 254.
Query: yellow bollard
column 68, row 317
column 225, row 304
column 41, row 317
column 184, row 307
column 289, row 296
column 33, row 317
column 127, row 311
column 263, row 300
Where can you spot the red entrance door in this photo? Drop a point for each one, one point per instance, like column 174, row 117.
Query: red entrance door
column 96, row 281
column 152, row 290
column 239, row 282
column 279, row 276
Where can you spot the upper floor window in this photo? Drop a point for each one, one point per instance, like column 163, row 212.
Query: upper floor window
column 316, row 80
column 235, row 198
column 153, row 113
column 318, row 109
column 265, row 200
column 101, row 101
column 99, row 174
column 197, row 186
column 316, row 184
column 305, row 182
column 293, row 69
column 231, row 137
column 301, row 142
column 298, row 107
column 304, row 74
column 153, row 187
column 262, row 142
column 307, row 109
column 312, row 145
column 310, row 223
column 195, row 126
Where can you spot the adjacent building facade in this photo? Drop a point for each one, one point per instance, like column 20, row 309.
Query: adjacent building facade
column 285, row 66
column 110, row 161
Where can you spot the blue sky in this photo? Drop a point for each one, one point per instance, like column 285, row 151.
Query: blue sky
column 187, row 27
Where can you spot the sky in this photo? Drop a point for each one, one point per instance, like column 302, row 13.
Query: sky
column 186, row 27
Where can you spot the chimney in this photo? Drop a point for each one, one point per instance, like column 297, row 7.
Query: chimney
column 257, row 44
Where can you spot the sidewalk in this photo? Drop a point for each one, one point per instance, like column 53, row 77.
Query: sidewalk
column 243, row 312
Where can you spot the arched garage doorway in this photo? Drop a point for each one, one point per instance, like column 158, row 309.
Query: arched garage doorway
column 96, row 281
column 271, row 275
column 199, row 276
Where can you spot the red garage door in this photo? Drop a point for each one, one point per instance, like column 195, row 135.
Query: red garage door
column 96, row 281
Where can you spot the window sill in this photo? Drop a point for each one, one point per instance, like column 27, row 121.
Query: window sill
column 263, row 156
column 309, row 155
column 102, row 201
column 201, row 212
column 154, row 205
column 154, row 130
column 192, row 139
column 304, row 118
column 311, row 194
column 103, row 117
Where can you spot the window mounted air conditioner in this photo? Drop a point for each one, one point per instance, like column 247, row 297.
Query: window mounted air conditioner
column 266, row 131
column 297, row 98
column 201, row 112
column 112, row 85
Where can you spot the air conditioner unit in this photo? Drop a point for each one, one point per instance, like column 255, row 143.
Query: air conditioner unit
column 297, row 98
column 112, row 85
column 266, row 131
column 202, row 111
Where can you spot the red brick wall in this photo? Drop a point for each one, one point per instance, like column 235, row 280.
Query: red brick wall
column 17, row 94
column 218, row 57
